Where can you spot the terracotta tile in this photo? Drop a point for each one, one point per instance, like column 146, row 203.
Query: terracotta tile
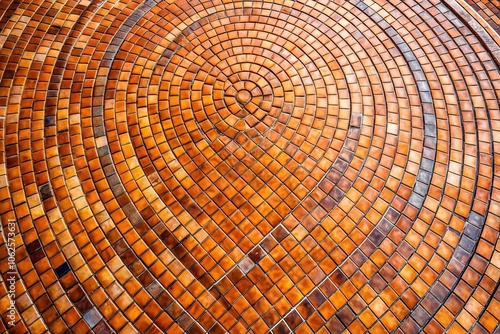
column 302, row 168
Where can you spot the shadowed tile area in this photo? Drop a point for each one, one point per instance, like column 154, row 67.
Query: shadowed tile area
column 249, row 167
column 489, row 10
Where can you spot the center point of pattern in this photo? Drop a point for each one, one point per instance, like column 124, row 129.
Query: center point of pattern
column 244, row 96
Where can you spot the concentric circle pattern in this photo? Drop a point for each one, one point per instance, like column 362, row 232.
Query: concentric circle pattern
column 249, row 167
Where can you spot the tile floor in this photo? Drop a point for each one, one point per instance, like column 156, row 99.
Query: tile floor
column 489, row 10
column 215, row 166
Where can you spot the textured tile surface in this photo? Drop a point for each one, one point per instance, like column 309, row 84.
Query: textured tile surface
column 249, row 167
column 489, row 10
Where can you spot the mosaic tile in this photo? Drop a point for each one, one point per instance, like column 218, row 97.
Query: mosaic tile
column 250, row 166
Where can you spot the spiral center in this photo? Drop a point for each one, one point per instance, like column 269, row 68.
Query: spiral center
column 244, row 96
